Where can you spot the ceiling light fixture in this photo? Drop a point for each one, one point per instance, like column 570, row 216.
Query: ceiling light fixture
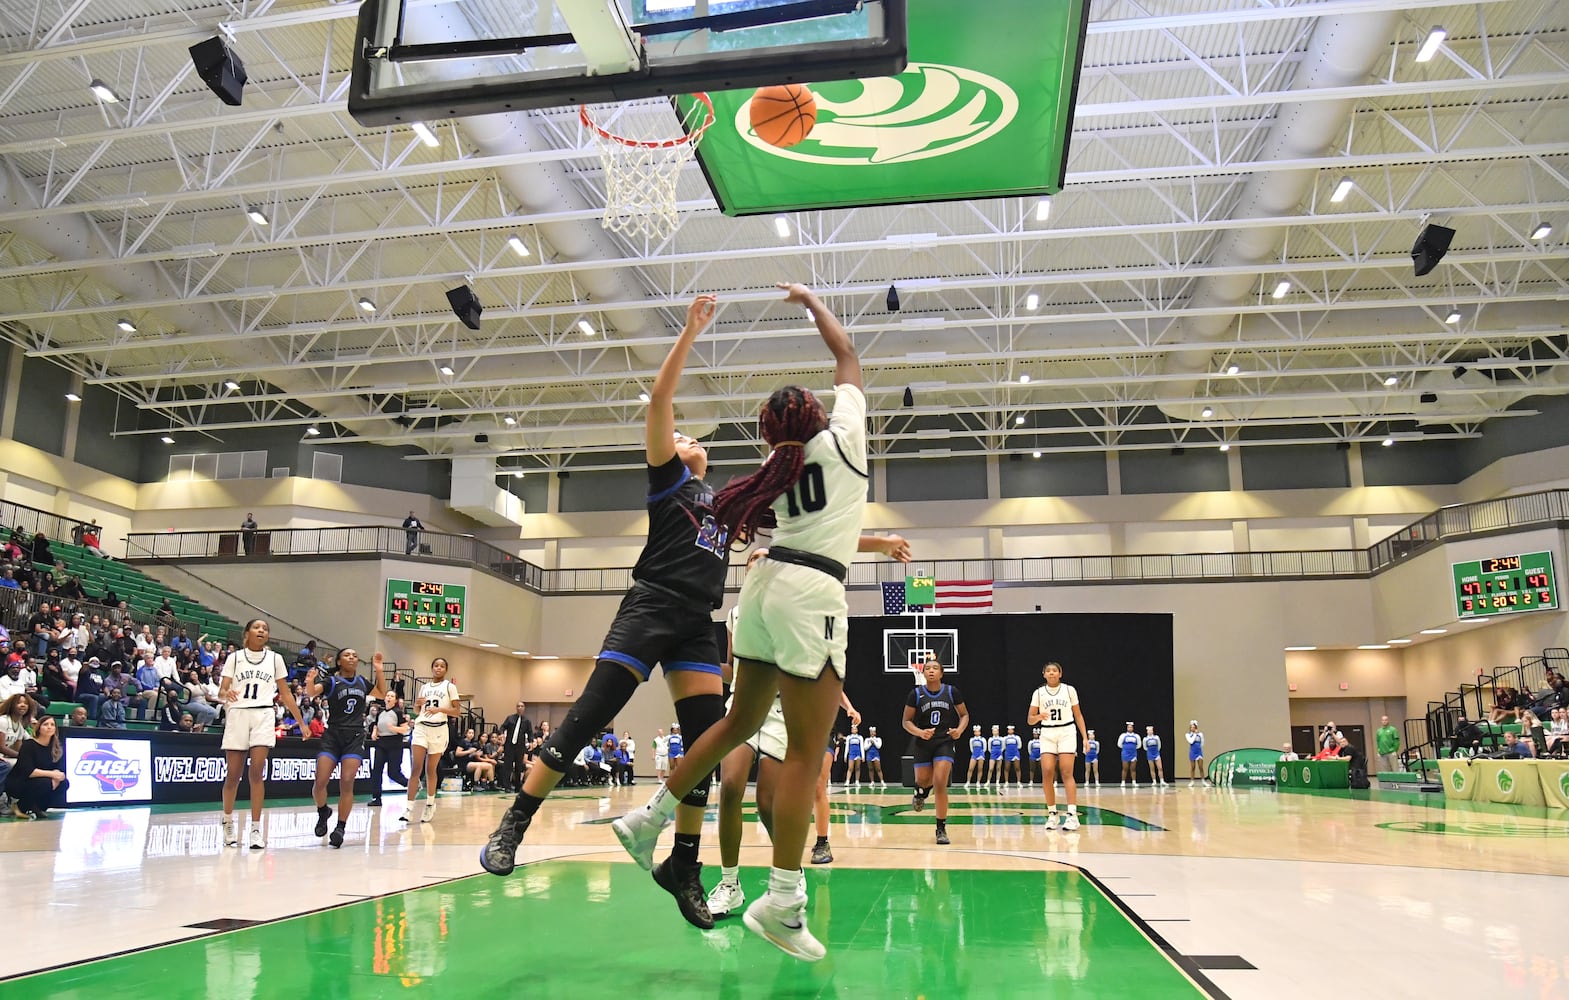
column 232, row 386
column 1233, row 369
column 586, row 327
column 1032, row 302
column 104, row 92
column 1019, row 420
column 1024, row 379
column 367, row 305
column 1341, row 190
column 72, row 397
column 1043, row 210
column 1453, row 317
column 1207, row 412
column 312, row 431
column 425, row 134
column 520, row 652
column 510, row 421
column 1435, row 631
column 1391, row 380
column 1300, row 649
column 1282, row 288
column 256, row 215
column 517, row 245
column 517, row 473
column 1478, row 621
column 489, row 645
column 445, row 369
column 1388, row 442
column 1429, row 48
column 126, row 325
column 1225, row 447
column 1374, row 645
column 1398, row 642
column 1035, row 454
column 782, row 227
column 167, row 439
column 1542, row 231
column 643, row 397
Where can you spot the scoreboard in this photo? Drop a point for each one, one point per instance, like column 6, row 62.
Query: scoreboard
column 1505, row 585
column 419, row 606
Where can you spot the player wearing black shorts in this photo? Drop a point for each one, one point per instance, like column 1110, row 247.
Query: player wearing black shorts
column 348, row 695
column 666, row 619
column 935, row 715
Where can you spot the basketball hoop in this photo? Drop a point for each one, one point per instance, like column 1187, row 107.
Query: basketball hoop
column 641, row 170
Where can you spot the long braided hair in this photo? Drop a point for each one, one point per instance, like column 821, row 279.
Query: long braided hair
column 791, row 417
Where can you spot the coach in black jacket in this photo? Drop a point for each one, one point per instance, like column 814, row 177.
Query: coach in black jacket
column 516, row 732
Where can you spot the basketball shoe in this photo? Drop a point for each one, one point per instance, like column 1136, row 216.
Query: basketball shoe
column 783, row 925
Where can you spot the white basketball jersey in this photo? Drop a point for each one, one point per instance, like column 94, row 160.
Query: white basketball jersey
column 436, row 695
column 254, row 681
column 1055, row 704
column 821, row 513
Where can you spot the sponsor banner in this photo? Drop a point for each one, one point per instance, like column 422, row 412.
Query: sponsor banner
column 1459, row 782
column 184, row 767
column 1513, row 781
column 102, row 840
column 1554, row 776
column 1247, row 766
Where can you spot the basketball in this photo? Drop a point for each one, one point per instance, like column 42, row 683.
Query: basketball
column 783, row 116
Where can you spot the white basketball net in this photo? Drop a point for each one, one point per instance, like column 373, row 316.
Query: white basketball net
column 641, row 170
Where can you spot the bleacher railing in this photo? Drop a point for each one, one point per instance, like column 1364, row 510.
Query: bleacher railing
column 1526, row 510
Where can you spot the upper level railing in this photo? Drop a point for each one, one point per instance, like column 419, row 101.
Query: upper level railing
column 33, row 520
column 1526, row 510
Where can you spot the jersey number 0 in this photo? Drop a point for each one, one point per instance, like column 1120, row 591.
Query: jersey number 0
column 813, row 494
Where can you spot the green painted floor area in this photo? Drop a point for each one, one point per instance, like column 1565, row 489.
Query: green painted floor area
column 585, row 929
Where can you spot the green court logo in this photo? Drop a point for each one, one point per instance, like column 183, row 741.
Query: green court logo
column 928, row 110
column 1307, row 775
column 1506, row 781
column 1457, row 779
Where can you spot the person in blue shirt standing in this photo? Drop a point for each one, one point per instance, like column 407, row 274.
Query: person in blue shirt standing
column 1091, row 759
column 1035, row 756
column 994, row 756
column 854, row 745
column 1129, row 744
column 1011, row 745
column 874, row 758
column 977, row 772
column 1153, row 758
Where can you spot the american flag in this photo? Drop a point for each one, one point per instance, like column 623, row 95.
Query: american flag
column 953, row 596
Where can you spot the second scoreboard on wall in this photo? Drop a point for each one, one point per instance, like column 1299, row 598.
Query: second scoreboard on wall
column 1505, row 585
column 421, row 606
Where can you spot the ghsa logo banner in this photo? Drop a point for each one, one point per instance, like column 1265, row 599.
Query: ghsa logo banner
column 115, row 775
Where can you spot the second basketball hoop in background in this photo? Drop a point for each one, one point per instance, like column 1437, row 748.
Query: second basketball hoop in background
column 642, row 159
column 783, row 116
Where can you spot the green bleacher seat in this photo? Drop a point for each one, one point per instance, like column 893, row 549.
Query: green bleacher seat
column 60, row 709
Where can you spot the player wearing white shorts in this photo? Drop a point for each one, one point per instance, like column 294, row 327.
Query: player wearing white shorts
column 437, row 703
column 790, row 638
column 661, row 755
column 1055, row 708
column 253, row 676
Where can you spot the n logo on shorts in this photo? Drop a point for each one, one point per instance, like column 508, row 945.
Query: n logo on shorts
column 828, row 628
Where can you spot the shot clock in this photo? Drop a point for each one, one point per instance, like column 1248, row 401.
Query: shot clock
column 1505, row 585
column 421, row 606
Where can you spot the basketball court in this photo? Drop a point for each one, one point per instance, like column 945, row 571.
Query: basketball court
column 1172, row 892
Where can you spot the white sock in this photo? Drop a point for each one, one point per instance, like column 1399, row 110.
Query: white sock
column 1051, row 810
column 787, row 885
column 730, row 875
column 1073, row 809
column 663, row 804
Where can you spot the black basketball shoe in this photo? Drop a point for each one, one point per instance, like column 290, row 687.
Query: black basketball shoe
column 685, row 884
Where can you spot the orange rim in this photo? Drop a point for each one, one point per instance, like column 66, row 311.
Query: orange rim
column 685, row 140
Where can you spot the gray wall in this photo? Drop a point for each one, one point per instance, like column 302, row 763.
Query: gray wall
column 95, row 444
column 1297, row 467
column 1076, row 474
column 613, row 489
column 1196, row 470
column 1413, row 463
column 1502, row 438
column 40, row 405
column 953, row 478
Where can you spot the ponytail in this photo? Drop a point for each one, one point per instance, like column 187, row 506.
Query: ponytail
column 791, row 417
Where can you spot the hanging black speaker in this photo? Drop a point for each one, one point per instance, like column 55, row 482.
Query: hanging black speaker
column 893, row 298
column 1430, row 246
column 220, row 68
column 466, row 304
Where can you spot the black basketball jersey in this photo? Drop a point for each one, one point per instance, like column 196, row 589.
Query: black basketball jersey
column 937, row 710
column 686, row 550
column 346, row 703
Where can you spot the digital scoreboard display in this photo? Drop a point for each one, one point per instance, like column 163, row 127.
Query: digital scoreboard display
column 419, row 606
column 1505, row 585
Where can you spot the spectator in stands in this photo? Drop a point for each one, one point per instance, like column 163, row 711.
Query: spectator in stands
column 170, row 709
column 78, row 717
column 165, row 612
column 305, row 662
column 111, row 711
column 1467, row 738
column 146, row 679
column 71, row 667
column 72, row 588
column 42, row 554
column 38, row 628
column 12, row 683
column 54, row 680
column 90, row 686
column 1514, row 746
column 165, row 663
column 620, row 771
column 1506, row 705
column 181, row 641
column 12, row 551
column 124, row 648
column 1531, row 730
column 116, row 677
column 203, row 699
column 8, row 578
column 248, row 533
column 14, row 713
column 81, row 635
column 411, row 529
column 38, row 777
column 477, row 773
column 119, row 611
column 144, row 641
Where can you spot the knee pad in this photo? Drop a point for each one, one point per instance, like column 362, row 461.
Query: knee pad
column 697, row 715
column 607, row 692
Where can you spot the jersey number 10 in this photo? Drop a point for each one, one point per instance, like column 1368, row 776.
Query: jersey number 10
column 813, row 494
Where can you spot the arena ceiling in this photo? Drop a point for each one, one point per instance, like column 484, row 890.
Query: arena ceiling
column 1140, row 313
